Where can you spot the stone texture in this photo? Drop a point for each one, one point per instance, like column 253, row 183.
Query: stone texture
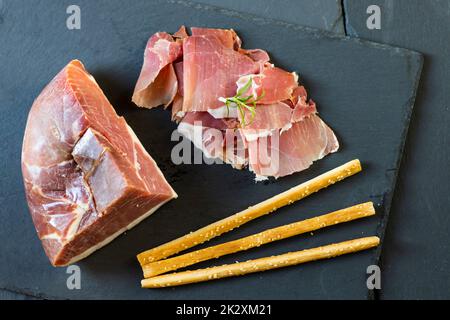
column 416, row 255
column 320, row 14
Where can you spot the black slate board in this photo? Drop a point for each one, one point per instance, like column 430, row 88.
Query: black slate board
column 320, row 14
column 416, row 259
column 365, row 91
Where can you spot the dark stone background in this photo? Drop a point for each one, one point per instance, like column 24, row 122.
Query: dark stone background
column 321, row 14
column 416, row 256
column 415, row 253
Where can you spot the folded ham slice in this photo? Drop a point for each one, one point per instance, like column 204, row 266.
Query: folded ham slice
column 283, row 135
column 217, row 138
column 87, row 177
column 157, row 84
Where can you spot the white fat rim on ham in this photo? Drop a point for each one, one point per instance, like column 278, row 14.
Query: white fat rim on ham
column 259, row 178
column 223, row 112
column 295, row 76
column 115, row 235
column 180, row 114
column 254, row 134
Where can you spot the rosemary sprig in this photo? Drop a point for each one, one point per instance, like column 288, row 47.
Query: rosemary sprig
column 243, row 103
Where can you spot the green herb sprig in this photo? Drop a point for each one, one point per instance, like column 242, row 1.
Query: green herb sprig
column 243, row 103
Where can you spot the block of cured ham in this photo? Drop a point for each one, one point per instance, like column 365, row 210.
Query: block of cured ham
column 87, row 177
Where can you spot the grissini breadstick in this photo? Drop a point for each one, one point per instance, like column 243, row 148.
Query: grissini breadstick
column 262, row 264
column 217, row 228
column 256, row 240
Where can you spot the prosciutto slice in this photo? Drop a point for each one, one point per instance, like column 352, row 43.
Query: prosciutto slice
column 157, row 83
column 177, row 106
column 217, row 138
column 228, row 38
column 282, row 153
column 211, row 67
column 87, row 177
column 283, row 135
column 272, row 84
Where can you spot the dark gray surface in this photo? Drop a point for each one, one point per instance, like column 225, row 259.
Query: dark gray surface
column 11, row 295
column 320, row 14
column 361, row 89
column 416, row 253
column 6, row 295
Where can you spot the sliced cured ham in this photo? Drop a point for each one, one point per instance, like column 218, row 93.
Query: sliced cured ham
column 279, row 115
column 210, row 71
column 177, row 105
column 303, row 108
column 272, row 84
column 269, row 116
column 217, row 138
column 228, row 38
column 87, row 177
column 181, row 33
column 237, row 107
column 256, row 55
column 157, row 83
column 285, row 152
